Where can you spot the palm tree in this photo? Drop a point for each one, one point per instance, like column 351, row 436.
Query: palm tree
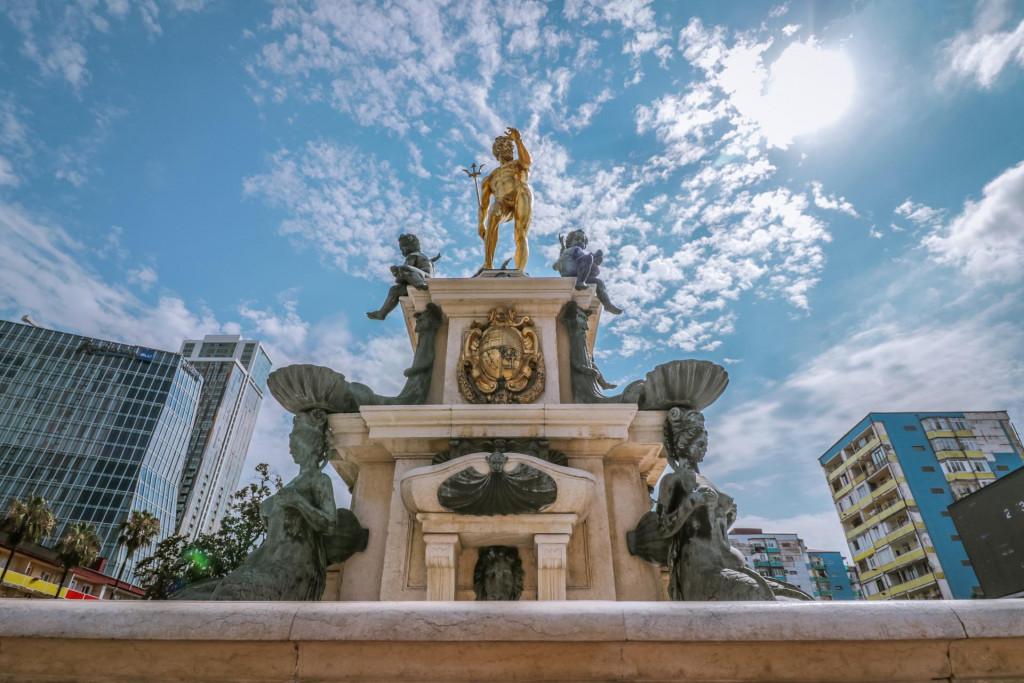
column 140, row 528
column 26, row 521
column 77, row 547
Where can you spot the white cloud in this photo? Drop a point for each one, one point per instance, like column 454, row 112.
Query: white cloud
column 8, row 176
column 74, row 162
column 416, row 162
column 636, row 17
column 14, row 141
column 14, row 134
column 973, row 363
column 984, row 50
column 886, row 364
column 144, row 276
column 417, row 67
column 832, row 202
column 377, row 361
column 386, row 65
column 54, row 35
column 42, row 273
column 349, row 206
column 599, row 200
column 986, row 240
column 921, row 215
column 744, row 231
column 806, row 88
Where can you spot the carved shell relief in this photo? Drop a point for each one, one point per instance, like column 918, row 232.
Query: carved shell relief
column 501, row 360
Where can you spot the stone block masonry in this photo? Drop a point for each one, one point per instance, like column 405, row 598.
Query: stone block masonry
column 460, row 642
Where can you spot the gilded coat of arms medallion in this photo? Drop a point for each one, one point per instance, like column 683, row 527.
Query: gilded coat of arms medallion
column 501, row 360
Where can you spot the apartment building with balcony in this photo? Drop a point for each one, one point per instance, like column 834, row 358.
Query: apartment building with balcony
column 892, row 479
column 780, row 556
column 831, row 576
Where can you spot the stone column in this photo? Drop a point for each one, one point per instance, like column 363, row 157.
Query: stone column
column 442, row 558
column 551, row 565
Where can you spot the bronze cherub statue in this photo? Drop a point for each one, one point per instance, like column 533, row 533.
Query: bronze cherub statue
column 416, row 272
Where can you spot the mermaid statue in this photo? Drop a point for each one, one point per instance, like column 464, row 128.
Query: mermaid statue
column 689, row 529
column 305, row 531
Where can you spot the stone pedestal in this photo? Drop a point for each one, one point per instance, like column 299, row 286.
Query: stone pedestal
column 441, row 558
column 468, row 300
column 614, row 446
column 552, row 563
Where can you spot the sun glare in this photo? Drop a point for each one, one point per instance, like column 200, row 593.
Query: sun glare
column 808, row 88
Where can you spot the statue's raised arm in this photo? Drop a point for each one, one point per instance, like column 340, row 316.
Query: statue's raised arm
column 524, row 156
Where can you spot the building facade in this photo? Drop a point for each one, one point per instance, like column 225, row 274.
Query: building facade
column 235, row 373
column 853, row 576
column 830, row 576
column 36, row 572
column 892, row 479
column 97, row 428
column 780, row 556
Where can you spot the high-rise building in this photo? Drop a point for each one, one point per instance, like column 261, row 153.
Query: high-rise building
column 97, row 428
column 781, row 556
column 235, row 373
column 830, row 576
column 893, row 477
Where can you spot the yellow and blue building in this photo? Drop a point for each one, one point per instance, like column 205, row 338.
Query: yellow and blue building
column 831, row 576
column 892, row 479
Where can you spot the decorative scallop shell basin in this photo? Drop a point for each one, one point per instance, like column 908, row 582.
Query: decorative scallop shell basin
column 693, row 384
column 575, row 487
column 304, row 387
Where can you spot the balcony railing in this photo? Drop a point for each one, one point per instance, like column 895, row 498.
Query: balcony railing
column 869, row 498
column 897, row 562
column 905, row 587
column 870, row 445
column 874, row 519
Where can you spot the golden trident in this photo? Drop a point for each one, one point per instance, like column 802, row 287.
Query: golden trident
column 474, row 172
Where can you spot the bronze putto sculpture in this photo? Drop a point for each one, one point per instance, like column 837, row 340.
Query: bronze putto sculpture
column 576, row 261
column 417, row 269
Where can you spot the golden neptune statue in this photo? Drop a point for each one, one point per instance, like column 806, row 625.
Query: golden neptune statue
column 513, row 199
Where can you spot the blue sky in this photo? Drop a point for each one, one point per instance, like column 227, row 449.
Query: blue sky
column 826, row 197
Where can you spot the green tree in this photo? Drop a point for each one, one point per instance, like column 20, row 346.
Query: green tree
column 178, row 561
column 242, row 529
column 78, row 547
column 140, row 528
column 26, row 521
column 161, row 573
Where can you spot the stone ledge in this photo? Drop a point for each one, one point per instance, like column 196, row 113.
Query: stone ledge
column 556, row 641
column 573, row 620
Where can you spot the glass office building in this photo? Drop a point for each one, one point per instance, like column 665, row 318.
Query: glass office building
column 235, row 373
column 97, row 428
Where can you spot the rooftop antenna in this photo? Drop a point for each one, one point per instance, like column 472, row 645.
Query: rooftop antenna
column 28, row 320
